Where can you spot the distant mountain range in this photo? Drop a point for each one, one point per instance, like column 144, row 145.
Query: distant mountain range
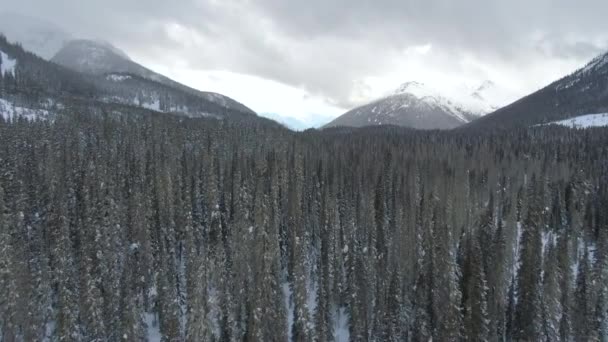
column 583, row 93
column 416, row 105
column 43, row 70
column 296, row 124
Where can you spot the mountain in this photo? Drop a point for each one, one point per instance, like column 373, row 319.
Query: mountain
column 38, row 36
column 583, row 92
column 287, row 121
column 103, row 59
column 418, row 106
column 32, row 86
column 297, row 124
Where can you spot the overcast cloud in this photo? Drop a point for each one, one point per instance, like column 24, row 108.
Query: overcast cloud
column 340, row 53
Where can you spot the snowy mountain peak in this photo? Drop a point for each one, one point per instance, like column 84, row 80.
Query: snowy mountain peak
column 414, row 104
column 485, row 87
column 480, row 100
column 416, row 89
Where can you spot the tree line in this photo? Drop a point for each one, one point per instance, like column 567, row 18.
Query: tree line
column 118, row 227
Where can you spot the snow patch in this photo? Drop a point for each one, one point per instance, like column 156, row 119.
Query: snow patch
column 311, row 300
column 289, row 308
column 8, row 65
column 341, row 320
column 118, row 78
column 213, row 303
column 49, row 331
column 10, row 112
column 154, row 334
column 584, row 121
column 155, row 105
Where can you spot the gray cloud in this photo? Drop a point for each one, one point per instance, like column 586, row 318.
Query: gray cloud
column 327, row 47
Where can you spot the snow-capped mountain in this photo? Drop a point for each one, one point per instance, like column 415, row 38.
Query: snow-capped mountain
column 580, row 93
column 416, row 105
column 35, row 35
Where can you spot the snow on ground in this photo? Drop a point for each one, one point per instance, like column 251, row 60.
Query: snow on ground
column 584, row 121
column 117, row 78
column 516, row 250
column 548, row 238
column 311, row 301
column 153, row 106
column 289, row 308
column 213, row 302
column 8, row 65
column 49, row 331
column 341, row 322
column 9, row 111
column 154, row 334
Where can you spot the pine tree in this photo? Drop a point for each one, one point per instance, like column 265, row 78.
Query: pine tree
column 446, row 295
column 551, row 295
column 581, row 320
column 528, row 310
column 9, row 326
column 475, row 320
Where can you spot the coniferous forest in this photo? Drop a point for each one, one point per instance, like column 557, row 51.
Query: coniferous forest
column 156, row 227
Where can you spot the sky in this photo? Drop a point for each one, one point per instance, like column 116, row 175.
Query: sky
column 313, row 60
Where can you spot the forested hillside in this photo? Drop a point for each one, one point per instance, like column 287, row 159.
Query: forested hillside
column 581, row 93
column 33, row 85
column 132, row 228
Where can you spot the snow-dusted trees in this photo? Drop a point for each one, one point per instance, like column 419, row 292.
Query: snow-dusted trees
column 528, row 310
column 138, row 228
column 474, row 291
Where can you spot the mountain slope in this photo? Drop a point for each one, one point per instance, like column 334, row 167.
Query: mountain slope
column 583, row 92
column 100, row 58
column 40, row 37
column 417, row 106
column 33, row 84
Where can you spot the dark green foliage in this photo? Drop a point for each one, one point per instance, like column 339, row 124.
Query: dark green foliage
column 111, row 227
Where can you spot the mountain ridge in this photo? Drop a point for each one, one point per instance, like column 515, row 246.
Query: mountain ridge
column 102, row 58
column 47, row 86
column 585, row 91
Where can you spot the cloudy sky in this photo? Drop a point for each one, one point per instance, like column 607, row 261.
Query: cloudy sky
column 314, row 59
